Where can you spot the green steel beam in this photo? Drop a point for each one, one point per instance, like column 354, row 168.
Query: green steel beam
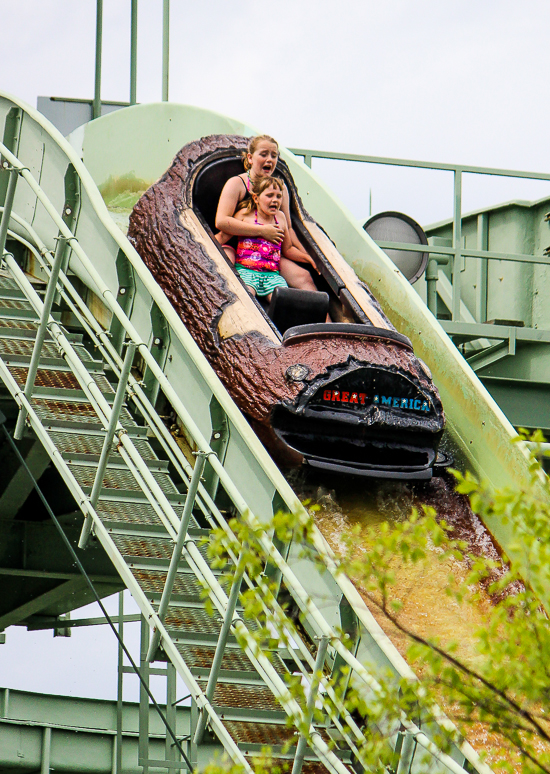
column 463, row 251
column 120, row 685
column 492, row 354
column 58, row 595
column 133, row 52
column 17, row 572
column 98, row 50
column 457, row 244
column 165, row 48
column 75, row 734
column 16, row 483
column 12, row 130
column 482, row 267
column 50, row 622
column 469, row 331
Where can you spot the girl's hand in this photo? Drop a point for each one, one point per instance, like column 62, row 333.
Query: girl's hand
column 273, row 233
column 305, row 258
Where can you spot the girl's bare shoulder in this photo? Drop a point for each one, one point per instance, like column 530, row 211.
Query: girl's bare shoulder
column 281, row 217
column 237, row 182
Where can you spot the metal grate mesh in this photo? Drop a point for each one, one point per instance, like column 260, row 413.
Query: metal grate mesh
column 25, row 347
column 284, row 766
column 234, row 660
column 243, row 696
column 82, row 352
column 12, row 303
column 80, row 443
column 73, row 411
column 149, row 548
column 158, row 548
column 24, row 325
column 153, row 583
column 192, row 619
column 115, row 478
column 260, row 733
column 8, row 282
column 129, row 512
column 59, row 380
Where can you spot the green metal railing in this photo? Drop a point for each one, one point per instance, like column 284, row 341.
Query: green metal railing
column 97, row 101
column 253, row 496
column 454, row 253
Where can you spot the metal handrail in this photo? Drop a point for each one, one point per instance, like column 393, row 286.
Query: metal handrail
column 456, row 251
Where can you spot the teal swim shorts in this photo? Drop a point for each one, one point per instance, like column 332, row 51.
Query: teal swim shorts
column 263, row 282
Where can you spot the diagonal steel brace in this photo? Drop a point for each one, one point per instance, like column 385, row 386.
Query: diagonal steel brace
column 176, row 554
column 310, row 706
column 222, row 641
column 108, row 442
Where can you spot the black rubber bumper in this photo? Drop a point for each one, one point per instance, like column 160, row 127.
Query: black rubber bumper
column 423, row 474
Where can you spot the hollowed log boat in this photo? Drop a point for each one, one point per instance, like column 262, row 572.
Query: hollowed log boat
column 347, row 396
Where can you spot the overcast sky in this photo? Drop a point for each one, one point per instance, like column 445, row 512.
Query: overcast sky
column 459, row 82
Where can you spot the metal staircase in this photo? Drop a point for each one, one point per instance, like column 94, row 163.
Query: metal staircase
column 94, row 400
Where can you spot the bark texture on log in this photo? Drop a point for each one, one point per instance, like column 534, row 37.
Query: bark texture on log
column 251, row 366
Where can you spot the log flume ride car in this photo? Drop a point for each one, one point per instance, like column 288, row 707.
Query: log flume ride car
column 348, row 396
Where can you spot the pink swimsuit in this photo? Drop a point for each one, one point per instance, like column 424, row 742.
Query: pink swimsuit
column 257, row 253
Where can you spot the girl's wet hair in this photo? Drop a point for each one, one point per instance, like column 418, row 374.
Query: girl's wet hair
column 258, row 187
column 253, row 145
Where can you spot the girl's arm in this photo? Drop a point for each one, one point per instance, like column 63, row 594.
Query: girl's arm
column 222, row 238
column 226, row 222
column 290, row 251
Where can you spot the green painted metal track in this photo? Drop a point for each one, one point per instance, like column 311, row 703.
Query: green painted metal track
column 41, row 732
column 138, row 511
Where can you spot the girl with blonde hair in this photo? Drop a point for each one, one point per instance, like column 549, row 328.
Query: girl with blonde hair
column 260, row 160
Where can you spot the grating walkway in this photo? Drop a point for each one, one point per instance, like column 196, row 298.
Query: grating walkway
column 251, row 714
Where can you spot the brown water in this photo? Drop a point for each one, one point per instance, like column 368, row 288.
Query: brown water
column 427, row 609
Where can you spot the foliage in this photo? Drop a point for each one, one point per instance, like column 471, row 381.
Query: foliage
column 504, row 689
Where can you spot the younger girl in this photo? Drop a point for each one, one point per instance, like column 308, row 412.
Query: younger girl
column 260, row 160
column 257, row 259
